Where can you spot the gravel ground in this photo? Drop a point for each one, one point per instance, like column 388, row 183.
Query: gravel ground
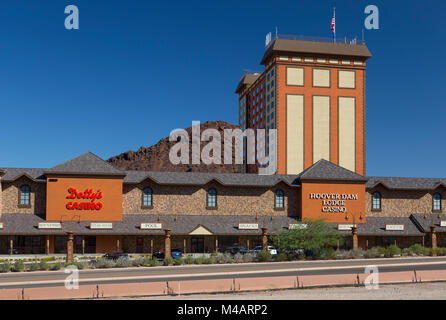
column 429, row 291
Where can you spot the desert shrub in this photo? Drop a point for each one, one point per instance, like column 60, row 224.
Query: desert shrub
column 105, row 263
column 5, row 267
column 34, row 266
column 249, row 257
column 189, row 260
column 44, row 265
column 168, row 261
column 296, row 256
column 342, row 254
column 417, row 249
column 392, row 251
column 56, row 266
column 123, row 263
column 139, row 261
column 199, row 260
column 222, row 258
column 372, row 253
column 264, row 256
column 18, row 266
column 427, row 251
column 356, row 253
column 81, row 264
column 238, row 258
column 281, row 257
column 178, row 262
column 154, row 262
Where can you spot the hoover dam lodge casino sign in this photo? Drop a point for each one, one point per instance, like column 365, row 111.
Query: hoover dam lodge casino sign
column 333, row 202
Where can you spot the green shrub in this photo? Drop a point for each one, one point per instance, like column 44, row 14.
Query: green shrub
column 44, row 265
column 18, row 266
column 5, row 267
column 168, row 261
column 189, row 260
column 296, row 256
column 281, row 257
column 199, row 260
column 357, row 253
column 209, row 260
column 48, row 259
column 264, row 256
column 441, row 251
column 392, row 251
column 342, row 254
column 34, row 266
column 427, row 251
column 417, row 249
column 56, row 266
column 178, row 261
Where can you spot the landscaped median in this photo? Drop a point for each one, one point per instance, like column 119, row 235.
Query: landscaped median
column 52, row 263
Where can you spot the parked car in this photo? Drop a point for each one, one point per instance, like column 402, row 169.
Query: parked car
column 175, row 253
column 115, row 256
column 270, row 249
column 235, row 249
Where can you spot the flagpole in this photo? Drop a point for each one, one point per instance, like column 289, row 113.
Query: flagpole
column 334, row 31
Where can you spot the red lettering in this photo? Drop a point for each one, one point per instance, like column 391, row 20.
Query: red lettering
column 69, row 206
column 98, row 206
column 72, row 193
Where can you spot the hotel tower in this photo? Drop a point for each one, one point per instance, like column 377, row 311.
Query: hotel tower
column 313, row 93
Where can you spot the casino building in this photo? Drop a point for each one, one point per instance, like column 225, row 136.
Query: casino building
column 313, row 93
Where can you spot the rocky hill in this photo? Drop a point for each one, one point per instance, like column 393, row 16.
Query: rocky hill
column 156, row 157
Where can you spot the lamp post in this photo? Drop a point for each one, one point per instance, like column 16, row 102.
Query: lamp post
column 433, row 234
column 70, row 237
column 354, row 229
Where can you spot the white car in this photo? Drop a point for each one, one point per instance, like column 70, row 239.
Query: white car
column 270, row 249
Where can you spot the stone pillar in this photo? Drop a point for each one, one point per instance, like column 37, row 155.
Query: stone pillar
column 216, row 244
column 433, row 241
column 70, row 247
column 355, row 237
column 11, row 246
column 117, row 244
column 83, row 245
column 264, row 238
column 151, row 246
column 184, row 245
column 47, row 245
column 167, row 243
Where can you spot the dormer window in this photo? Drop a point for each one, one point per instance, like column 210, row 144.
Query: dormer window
column 212, row 198
column 376, row 201
column 279, row 199
column 24, row 196
column 436, row 202
column 147, row 198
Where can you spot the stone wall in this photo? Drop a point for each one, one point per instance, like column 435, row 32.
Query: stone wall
column 402, row 203
column 193, row 200
column 10, row 197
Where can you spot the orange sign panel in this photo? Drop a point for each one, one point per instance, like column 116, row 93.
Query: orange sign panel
column 92, row 199
column 333, row 202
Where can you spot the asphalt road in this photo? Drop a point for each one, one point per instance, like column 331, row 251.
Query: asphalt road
column 225, row 271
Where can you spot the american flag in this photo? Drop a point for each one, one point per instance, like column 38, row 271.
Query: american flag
column 333, row 25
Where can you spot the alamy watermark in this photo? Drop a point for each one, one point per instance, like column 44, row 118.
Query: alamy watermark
column 250, row 147
column 72, row 280
column 372, row 280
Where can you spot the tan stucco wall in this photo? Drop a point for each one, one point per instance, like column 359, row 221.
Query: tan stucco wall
column 295, row 133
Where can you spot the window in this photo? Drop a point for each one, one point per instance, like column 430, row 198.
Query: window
column 376, row 201
column 436, row 206
column 212, row 198
column 279, row 199
column 24, row 198
column 147, row 197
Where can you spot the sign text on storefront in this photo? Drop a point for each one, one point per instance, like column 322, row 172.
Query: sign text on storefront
column 333, row 202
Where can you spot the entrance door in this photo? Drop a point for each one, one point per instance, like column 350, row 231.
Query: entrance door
column 139, row 245
column 78, row 244
column 197, row 244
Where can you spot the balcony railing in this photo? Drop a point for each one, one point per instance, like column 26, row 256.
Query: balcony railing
column 344, row 40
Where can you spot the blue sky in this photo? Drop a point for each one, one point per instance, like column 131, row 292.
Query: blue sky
column 136, row 69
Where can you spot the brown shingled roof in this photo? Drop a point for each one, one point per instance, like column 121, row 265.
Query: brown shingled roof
column 317, row 47
column 246, row 79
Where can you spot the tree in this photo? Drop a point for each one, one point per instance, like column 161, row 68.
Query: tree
column 314, row 235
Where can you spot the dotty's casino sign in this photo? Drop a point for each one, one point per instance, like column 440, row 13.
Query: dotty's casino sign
column 91, row 199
